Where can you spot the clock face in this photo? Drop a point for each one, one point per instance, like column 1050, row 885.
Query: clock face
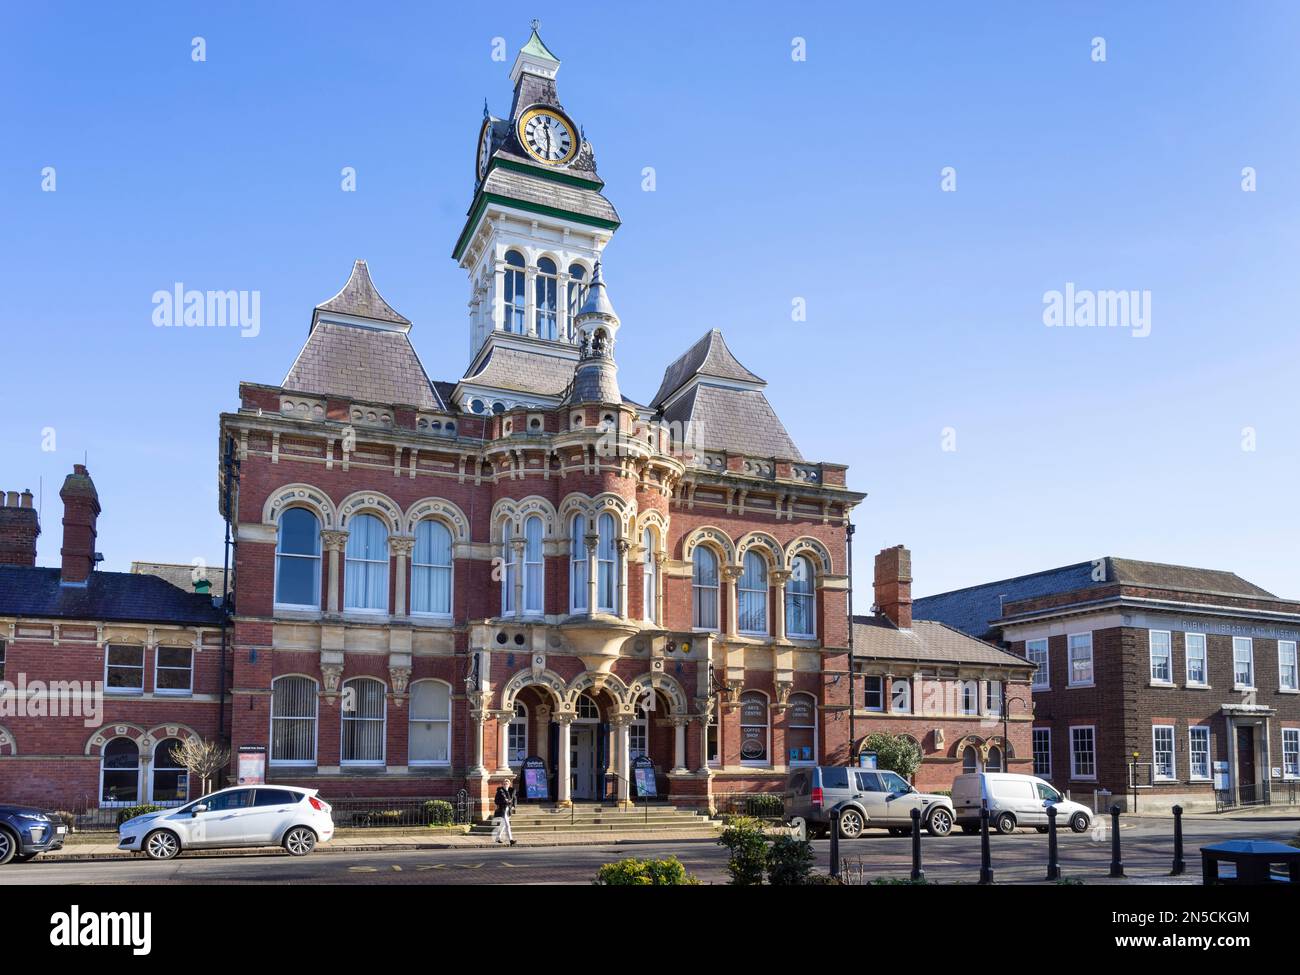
column 484, row 147
column 548, row 136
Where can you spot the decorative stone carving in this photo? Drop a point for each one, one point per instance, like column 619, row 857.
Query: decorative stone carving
column 331, row 675
column 399, row 678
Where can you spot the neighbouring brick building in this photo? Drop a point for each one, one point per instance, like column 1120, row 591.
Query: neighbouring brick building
column 1156, row 681
column 965, row 702
column 103, row 672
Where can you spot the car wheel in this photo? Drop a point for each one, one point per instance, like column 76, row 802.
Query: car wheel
column 1079, row 822
column 299, row 841
column 1041, row 829
column 898, row 831
column 970, row 830
column 8, row 846
column 161, row 844
column 851, row 824
column 939, row 823
column 1005, row 823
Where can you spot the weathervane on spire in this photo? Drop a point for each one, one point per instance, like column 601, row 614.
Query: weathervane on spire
column 535, row 23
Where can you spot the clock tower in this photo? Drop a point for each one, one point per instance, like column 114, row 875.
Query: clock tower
column 535, row 230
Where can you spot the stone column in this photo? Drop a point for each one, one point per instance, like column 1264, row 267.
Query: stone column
column 400, row 546
column 593, row 541
column 779, row 578
column 530, row 300
column 563, row 774
column 660, row 559
column 562, row 305
column 334, row 541
column 730, row 574
column 679, row 743
column 517, row 550
column 499, row 296
column 478, row 716
column 623, row 547
column 707, row 707
column 622, row 762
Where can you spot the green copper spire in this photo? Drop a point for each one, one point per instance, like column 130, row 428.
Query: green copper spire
column 536, row 48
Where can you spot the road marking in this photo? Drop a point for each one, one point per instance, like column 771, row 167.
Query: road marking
column 397, row 868
column 363, row 869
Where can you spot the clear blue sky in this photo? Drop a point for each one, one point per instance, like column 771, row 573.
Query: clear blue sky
column 775, row 180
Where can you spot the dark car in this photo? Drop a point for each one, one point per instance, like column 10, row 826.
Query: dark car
column 26, row 833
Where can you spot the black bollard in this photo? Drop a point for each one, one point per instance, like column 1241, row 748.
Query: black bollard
column 1116, row 863
column 917, row 872
column 1179, row 865
column 835, row 843
column 986, row 860
column 1053, row 867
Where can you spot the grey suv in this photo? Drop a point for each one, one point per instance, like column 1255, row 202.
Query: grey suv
column 865, row 799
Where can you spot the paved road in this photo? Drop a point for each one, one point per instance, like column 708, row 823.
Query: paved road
column 1147, row 850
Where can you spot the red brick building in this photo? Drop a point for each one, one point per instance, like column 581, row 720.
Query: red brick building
column 1154, row 682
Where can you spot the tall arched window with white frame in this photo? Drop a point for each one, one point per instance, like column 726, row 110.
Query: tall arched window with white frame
column 365, row 580
column 799, row 599
column 119, row 774
column 365, row 717
column 546, row 298
column 649, row 577
column 578, row 563
column 534, row 566
column 431, row 573
column 577, row 293
column 297, row 559
column 515, row 297
column 429, row 731
column 293, row 720
column 752, row 593
column 510, row 565
column 607, row 565
column 704, row 589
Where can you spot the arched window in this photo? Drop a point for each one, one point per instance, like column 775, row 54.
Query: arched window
column 545, row 286
column 517, row 736
column 431, row 574
column 510, row 561
column 649, row 574
column 970, row 759
column 607, row 565
column 801, row 729
column 578, row 563
column 364, row 718
column 516, row 304
column 534, row 565
column 799, row 598
column 119, row 773
column 429, row 734
column 297, row 559
column 293, row 721
column 994, row 761
column 704, row 589
column 365, row 578
column 170, row 777
column 755, row 736
column 587, row 708
column 577, row 291
column 752, row 593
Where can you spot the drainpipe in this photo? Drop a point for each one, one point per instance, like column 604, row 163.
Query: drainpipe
column 228, row 464
column 853, row 735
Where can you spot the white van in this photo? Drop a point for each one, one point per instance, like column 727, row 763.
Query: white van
column 1013, row 801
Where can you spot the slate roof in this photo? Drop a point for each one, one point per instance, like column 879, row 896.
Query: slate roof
column 110, row 596
column 739, row 420
column 360, row 299
column 974, row 609
column 548, row 193
column 926, row 642
column 707, row 357
column 527, row 372
column 358, row 363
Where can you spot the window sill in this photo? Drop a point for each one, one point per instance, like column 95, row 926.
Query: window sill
column 1243, row 687
column 1035, row 688
column 1288, row 690
column 1190, row 686
column 118, row 692
column 1166, row 684
column 1088, row 684
column 1197, row 780
column 1083, row 778
column 187, row 693
column 296, row 610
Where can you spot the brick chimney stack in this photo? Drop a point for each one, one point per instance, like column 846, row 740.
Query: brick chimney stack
column 80, row 512
column 894, row 585
column 19, row 526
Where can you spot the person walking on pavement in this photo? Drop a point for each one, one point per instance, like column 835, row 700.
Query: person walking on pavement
column 505, row 803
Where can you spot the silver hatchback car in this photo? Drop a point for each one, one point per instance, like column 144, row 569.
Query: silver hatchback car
column 864, row 798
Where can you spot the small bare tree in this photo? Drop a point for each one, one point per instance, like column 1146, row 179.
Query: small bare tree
column 203, row 759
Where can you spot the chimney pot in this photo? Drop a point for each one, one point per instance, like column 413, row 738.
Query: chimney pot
column 19, row 527
column 80, row 515
column 11, row 499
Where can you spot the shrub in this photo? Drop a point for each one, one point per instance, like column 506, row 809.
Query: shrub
column 898, row 882
column 789, row 862
column 894, row 753
column 132, row 811
column 439, row 812
column 764, row 805
column 744, row 838
column 644, row 873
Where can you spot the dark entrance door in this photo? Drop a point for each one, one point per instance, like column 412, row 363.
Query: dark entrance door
column 1246, row 763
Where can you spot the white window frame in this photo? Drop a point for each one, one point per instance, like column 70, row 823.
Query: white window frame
column 539, row 563
column 792, row 598
column 314, row 718
column 1168, row 679
column 1092, row 661
column 1295, row 666
column 158, row 689
column 514, row 274
column 701, row 592
column 993, row 705
column 579, row 591
column 897, row 684
column 1033, row 751
column 1294, row 735
column 973, row 686
column 279, row 554
column 866, row 679
column 608, row 556
column 757, row 595
column 1250, row 650
column 382, row 721
column 411, row 719
column 518, row 728
column 1194, row 732
column 124, row 691
column 1205, row 660
column 1043, row 675
column 433, row 568
column 386, row 561
column 1074, row 765
column 649, row 574
column 1156, row 730
column 638, row 728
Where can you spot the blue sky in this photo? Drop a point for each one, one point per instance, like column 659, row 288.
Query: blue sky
column 775, row 180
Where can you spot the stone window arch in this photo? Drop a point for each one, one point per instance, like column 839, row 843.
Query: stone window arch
column 119, row 772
